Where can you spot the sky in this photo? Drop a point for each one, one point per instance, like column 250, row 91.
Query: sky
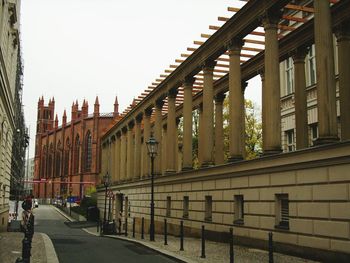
column 77, row 49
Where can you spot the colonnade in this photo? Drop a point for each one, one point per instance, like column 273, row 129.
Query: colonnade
column 131, row 159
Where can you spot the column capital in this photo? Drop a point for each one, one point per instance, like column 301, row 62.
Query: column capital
column 172, row 93
column 159, row 103
column 208, row 66
column 270, row 19
column 342, row 32
column 219, row 98
column 139, row 117
column 148, row 112
column 234, row 46
column 188, row 81
column 299, row 54
column 124, row 130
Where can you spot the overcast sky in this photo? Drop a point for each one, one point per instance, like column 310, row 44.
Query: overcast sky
column 76, row 49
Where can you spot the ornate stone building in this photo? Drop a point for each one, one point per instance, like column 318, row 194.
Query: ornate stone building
column 10, row 91
column 67, row 157
column 299, row 188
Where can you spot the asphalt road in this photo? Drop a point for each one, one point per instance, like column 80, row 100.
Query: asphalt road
column 75, row 245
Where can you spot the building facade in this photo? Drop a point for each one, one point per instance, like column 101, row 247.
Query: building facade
column 67, row 157
column 29, row 176
column 299, row 188
column 10, row 71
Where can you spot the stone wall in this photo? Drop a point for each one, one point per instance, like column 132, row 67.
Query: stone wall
column 316, row 182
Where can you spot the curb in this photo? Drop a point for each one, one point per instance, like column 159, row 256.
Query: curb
column 63, row 214
column 51, row 256
column 164, row 252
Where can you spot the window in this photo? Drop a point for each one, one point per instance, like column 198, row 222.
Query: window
column 76, row 154
column 313, row 133
column 290, row 140
column 282, row 211
column 289, row 76
column 208, row 208
column 239, row 210
column 88, row 151
column 168, row 206
column 185, row 207
column 311, row 61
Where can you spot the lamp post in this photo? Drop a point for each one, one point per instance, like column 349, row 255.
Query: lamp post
column 70, row 200
column 106, row 184
column 152, row 147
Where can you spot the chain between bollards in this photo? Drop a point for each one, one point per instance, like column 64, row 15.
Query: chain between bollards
column 142, row 228
column 165, row 233
column 231, row 246
column 133, row 228
column 270, row 248
column 203, row 242
column 182, row 235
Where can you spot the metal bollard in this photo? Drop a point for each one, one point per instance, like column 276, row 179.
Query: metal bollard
column 165, row 233
column 126, row 226
column 120, row 226
column 142, row 228
column 182, row 235
column 270, row 248
column 203, row 242
column 133, row 228
column 231, row 246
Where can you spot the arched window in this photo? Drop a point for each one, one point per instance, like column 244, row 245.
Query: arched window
column 43, row 163
column 50, row 163
column 88, row 151
column 66, row 157
column 76, row 154
column 58, row 160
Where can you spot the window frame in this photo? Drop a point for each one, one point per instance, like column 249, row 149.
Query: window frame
column 208, row 212
column 238, row 210
column 281, row 214
column 186, row 206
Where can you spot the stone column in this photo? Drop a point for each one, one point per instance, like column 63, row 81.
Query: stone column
column 343, row 39
column 158, row 135
column 178, row 156
column 300, row 99
column 271, row 91
column 236, row 101
column 123, row 155
column 263, row 107
column 146, row 135
column 200, row 134
column 112, row 159
column 326, row 103
column 208, row 114
column 171, row 131
column 130, row 151
column 117, row 157
column 187, row 124
column 164, row 149
column 219, row 133
column 137, row 156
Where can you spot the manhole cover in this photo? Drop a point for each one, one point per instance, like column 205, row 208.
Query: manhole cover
column 140, row 250
column 66, row 241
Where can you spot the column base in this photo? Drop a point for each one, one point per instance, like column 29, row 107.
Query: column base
column 207, row 164
column 233, row 159
column 187, row 168
column 271, row 152
column 169, row 172
column 326, row 140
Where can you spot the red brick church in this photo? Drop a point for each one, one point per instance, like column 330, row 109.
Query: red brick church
column 68, row 157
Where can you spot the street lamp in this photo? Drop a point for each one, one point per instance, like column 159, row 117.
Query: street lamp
column 106, row 184
column 152, row 147
column 70, row 200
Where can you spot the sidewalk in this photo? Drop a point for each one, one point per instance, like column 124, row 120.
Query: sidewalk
column 11, row 248
column 215, row 252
